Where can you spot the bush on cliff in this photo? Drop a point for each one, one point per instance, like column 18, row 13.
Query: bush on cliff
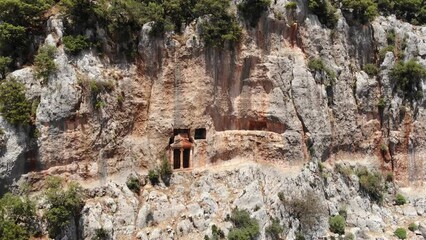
column 400, row 199
column 252, row 10
column 64, row 205
column 14, row 106
column 407, row 78
column 363, row 11
column 275, row 229
column 245, row 227
column 75, row 44
column 20, row 21
column 17, row 217
column 43, row 62
column 325, row 11
column 401, row 233
column 337, row 224
column 372, row 184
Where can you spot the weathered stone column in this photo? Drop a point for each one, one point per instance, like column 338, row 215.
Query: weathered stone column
column 181, row 158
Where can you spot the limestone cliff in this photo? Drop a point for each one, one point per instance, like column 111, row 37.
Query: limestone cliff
column 257, row 101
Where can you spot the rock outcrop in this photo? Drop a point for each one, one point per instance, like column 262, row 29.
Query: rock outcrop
column 256, row 101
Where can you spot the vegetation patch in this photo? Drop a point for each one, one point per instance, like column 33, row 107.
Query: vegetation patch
column 245, row 227
column 401, row 233
column 101, row 234
column 325, row 11
column 14, row 106
column 363, row 11
column 217, row 234
column 20, row 21
column 75, row 44
column 64, row 205
column 337, row 224
column 407, row 78
column 372, row 184
column 153, row 176
column 98, row 87
column 317, row 65
column 124, row 18
column 400, row 199
column 274, row 230
column 133, row 184
column 413, row 227
column 252, row 10
column 43, row 62
column 4, row 66
column 371, row 69
column 18, row 218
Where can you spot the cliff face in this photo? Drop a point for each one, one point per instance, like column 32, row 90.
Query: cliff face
column 257, row 101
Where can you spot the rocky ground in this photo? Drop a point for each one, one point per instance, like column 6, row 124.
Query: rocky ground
column 176, row 82
column 196, row 200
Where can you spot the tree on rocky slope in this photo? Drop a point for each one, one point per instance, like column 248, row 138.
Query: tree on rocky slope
column 64, row 206
column 17, row 217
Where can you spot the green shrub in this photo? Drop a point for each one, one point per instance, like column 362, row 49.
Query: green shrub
column 17, row 217
column 20, row 21
column 409, row 10
column 100, row 234
column 401, row 233
column 165, row 167
column 245, row 227
column 325, row 11
column 14, row 106
column 217, row 234
column 371, row 69
column 291, row 6
column 4, row 66
column 317, row 65
column 400, row 199
column 363, row 11
column 153, row 176
column 274, row 230
column 220, row 29
column 43, row 62
column 75, row 44
column 371, row 183
column 133, row 184
column 63, row 205
column 390, row 37
column 252, row 10
column 124, row 18
column 413, row 227
column 337, row 224
column 407, row 78
column 98, row 87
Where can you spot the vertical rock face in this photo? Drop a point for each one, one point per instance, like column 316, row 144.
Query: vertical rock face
column 257, row 99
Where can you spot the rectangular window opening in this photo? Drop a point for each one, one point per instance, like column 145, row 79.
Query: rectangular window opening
column 176, row 158
column 200, row 133
column 186, row 158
